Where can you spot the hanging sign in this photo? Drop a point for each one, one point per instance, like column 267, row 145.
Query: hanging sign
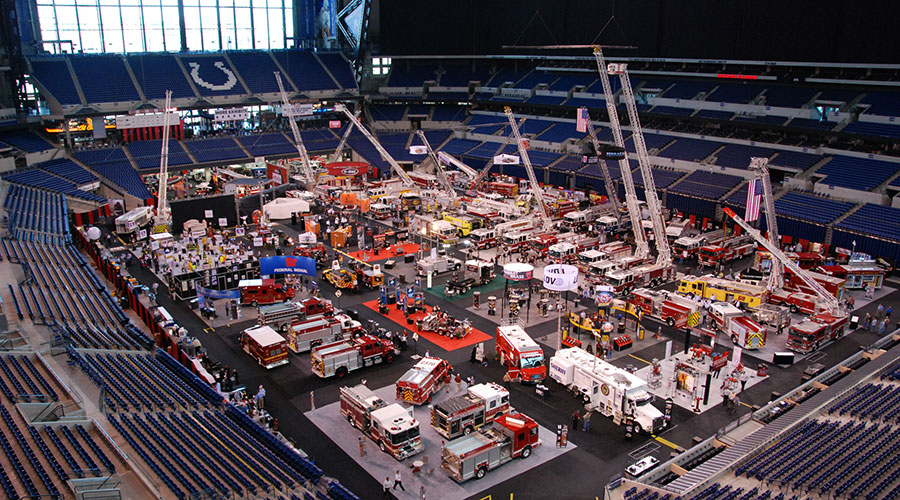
column 560, row 277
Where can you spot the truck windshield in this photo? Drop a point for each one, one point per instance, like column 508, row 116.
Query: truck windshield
column 555, row 254
column 533, row 362
column 404, row 436
column 586, row 259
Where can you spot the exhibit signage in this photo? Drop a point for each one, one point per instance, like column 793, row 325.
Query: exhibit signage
column 560, row 277
column 284, row 264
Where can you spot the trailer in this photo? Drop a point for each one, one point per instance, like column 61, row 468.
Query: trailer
column 391, row 426
column 423, row 380
column 512, row 436
column 465, row 414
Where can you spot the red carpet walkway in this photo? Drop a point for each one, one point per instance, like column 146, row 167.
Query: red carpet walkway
column 448, row 344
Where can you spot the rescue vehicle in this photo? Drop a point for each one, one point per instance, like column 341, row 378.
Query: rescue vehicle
column 380, row 211
column 437, row 265
column 665, row 306
column 710, row 287
column 464, row 224
column 625, row 280
column 419, row 383
column 520, row 354
column 512, row 436
column 263, row 291
column 484, row 238
column 265, row 345
column 391, row 426
column 713, row 255
column 280, row 316
column 464, row 414
column 303, row 335
column 743, row 331
column 814, row 332
column 612, row 391
column 340, row 358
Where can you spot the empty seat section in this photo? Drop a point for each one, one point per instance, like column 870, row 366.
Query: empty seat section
column 213, row 150
column 146, row 154
column 53, row 75
column 856, row 173
column 689, row 149
column 112, row 164
column 339, row 68
column 104, row 78
column 212, row 76
column 304, row 70
column 26, row 140
column 257, row 69
column 739, row 155
column 271, row 144
column 156, row 73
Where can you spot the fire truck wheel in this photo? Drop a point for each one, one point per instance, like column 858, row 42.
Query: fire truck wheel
column 283, row 328
column 428, row 401
column 381, row 445
column 794, row 309
column 480, row 472
column 670, row 322
column 468, row 430
column 341, row 372
column 254, row 304
column 389, row 359
column 734, row 339
column 526, row 452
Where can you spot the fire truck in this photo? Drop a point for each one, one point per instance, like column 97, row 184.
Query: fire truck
column 688, row 246
column 520, row 354
column 280, row 316
column 832, row 284
column 669, row 307
column 710, row 287
column 464, row 414
column 743, row 331
column 464, row 224
column 484, row 238
column 713, row 255
column 390, row 425
column 812, row 333
column 625, row 280
column 263, row 291
column 542, row 242
column 568, row 251
column 340, row 358
column 514, row 240
column 265, row 345
column 420, row 382
column 306, row 334
column 798, row 302
column 316, row 251
column 606, row 388
column 508, row 189
column 512, row 436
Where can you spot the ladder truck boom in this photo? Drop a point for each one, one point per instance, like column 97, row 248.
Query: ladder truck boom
column 162, row 209
column 340, row 148
column 642, row 248
column 438, row 169
column 404, row 177
column 611, row 192
column 536, row 189
column 298, row 140
column 760, row 166
column 664, row 254
column 470, row 172
column 490, row 162
column 830, row 301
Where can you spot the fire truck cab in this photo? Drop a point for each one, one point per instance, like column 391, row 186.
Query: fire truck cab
column 522, row 356
column 484, row 238
column 420, row 382
column 812, row 333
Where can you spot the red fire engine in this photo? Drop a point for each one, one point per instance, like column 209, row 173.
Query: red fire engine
column 420, row 382
column 460, row 415
column 833, row 284
column 624, row 280
column 512, row 436
column 522, row 356
column 256, row 292
column 507, row 189
column 390, row 425
column 316, row 251
column 713, row 255
column 669, row 307
column 811, row 334
column 339, row 358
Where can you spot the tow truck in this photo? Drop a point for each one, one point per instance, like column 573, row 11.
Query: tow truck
column 391, row 426
column 423, row 380
column 340, row 358
column 511, row 436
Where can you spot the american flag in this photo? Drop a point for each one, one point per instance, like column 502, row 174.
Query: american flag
column 582, row 120
column 753, row 199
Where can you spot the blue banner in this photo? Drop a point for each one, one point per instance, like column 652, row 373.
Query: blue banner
column 284, row 264
column 218, row 294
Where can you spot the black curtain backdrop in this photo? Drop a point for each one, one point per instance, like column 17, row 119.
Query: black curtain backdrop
column 768, row 30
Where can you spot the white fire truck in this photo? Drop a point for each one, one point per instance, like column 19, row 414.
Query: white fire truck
column 624, row 280
column 280, row 316
column 743, row 331
column 512, row 436
column 669, row 307
column 306, row 334
column 520, row 354
column 484, row 238
column 391, row 426
column 420, row 382
column 340, row 358
column 460, row 415
column 812, row 333
column 608, row 389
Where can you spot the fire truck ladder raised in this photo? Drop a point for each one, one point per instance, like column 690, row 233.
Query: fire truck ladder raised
column 287, row 111
column 828, row 299
column 162, row 209
column 490, row 163
column 398, row 170
column 536, row 190
column 611, row 191
column 642, row 248
column 449, row 159
column 760, row 166
column 340, row 148
column 438, row 168
column 664, row 257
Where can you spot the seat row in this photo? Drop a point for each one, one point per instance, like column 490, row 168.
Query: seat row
column 20, row 368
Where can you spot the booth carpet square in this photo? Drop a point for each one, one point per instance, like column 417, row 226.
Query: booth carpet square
column 446, row 343
column 486, row 290
column 391, row 252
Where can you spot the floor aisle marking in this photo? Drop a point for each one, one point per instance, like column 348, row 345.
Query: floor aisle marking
column 640, row 359
column 666, row 442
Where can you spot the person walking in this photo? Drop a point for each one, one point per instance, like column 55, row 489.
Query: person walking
column 888, row 312
column 575, row 419
column 744, row 377
column 736, row 403
column 458, row 381
column 586, row 421
column 398, row 480
column 883, row 326
column 879, row 312
column 386, row 488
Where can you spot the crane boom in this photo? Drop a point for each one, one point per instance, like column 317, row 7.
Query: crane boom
column 830, row 301
column 535, row 186
column 340, row 148
column 642, row 248
column 760, row 166
column 611, row 191
column 404, row 177
column 438, row 169
column 664, row 254
column 305, row 166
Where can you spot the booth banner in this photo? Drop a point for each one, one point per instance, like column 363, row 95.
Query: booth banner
column 283, row 264
column 217, row 294
column 517, row 271
column 418, row 150
column 297, row 110
column 506, row 159
column 604, row 299
column 232, row 115
column 257, row 241
column 306, row 238
column 334, row 124
column 560, row 277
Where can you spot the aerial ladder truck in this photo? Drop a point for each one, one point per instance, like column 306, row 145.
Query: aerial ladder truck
column 398, row 170
column 286, row 110
column 611, row 191
column 340, row 148
column 642, row 248
column 664, row 254
column 438, row 169
column 536, row 190
column 162, row 219
column 760, row 166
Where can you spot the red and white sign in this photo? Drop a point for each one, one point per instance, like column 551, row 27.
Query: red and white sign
column 334, row 124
